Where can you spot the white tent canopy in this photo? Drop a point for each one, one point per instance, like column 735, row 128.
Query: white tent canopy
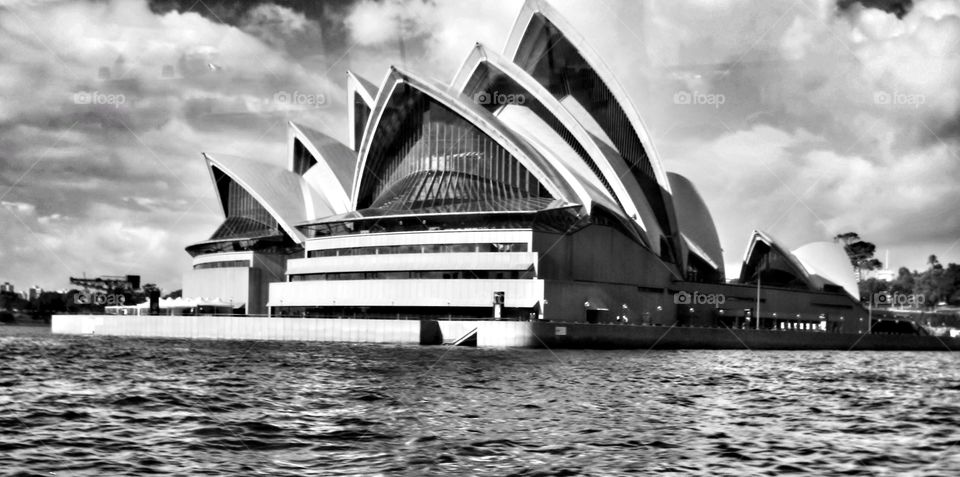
column 173, row 305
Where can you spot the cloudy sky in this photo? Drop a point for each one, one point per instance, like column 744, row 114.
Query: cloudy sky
column 802, row 118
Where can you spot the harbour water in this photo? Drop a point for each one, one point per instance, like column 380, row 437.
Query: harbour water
column 74, row 405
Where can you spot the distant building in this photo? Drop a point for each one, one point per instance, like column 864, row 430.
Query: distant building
column 35, row 293
column 7, row 287
column 108, row 283
column 885, row 275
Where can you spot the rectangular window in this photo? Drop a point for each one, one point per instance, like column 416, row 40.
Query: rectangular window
column 224, row 264
column 417, row 274
column 481, row 247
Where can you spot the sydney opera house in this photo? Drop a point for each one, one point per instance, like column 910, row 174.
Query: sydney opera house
column 526, row 188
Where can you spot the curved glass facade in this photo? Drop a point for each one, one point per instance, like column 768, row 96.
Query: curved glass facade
column 246, row 217
column 361, row 112
column 242, row 227
column 425, row 155
column 773, row 269
column 302, row 159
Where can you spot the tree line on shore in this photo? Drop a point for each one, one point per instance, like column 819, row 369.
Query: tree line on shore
column 936, row 285
column 49, row 303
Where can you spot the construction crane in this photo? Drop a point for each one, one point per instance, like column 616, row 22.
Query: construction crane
column 108, row 283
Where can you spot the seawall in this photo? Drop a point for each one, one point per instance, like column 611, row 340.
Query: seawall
column 424, row 332
column 489, row 333
column 582, row 335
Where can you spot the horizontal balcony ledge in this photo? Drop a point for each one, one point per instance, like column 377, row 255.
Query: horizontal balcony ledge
column 415, row 262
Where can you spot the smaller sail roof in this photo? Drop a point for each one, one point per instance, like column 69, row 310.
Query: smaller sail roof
column 332, row 174
column 285, row 195
column 817, row 264
column 695, row 222
column 828, row 262
column 755, row 249
column 365, row 88
column 361, row 96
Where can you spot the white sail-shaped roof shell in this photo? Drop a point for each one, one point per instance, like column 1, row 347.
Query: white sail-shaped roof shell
column 537, row 19
column 695, row 222
column 514, row 43
column 332, row 175
column 285, row 195
column 560, row 183
column 629, row 201
column 817, row 263
column 366, row 92
column 829, row 261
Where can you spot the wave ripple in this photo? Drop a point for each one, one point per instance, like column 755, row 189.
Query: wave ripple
column 105, row 406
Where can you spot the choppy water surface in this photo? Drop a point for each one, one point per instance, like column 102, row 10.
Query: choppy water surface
column 108, row 406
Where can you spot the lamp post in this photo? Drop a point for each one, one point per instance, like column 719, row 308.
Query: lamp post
column 759, row 273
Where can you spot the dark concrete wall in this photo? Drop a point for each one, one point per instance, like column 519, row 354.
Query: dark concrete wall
column 602, row 266
column 842, row 312
column 577, row 335
column 598, row 254
column 266, row 268
column 566, row 299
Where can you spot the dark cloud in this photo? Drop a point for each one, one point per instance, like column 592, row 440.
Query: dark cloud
column 802, row 145
column 327, row 14
column 111, row 106
column 896, row 7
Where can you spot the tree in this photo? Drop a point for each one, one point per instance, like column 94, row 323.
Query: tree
column 950, row 284
column 860, row 252
column 6, row 300
column 904, row 282
column 936, row 284
column 50, row 303
column 70, row 300
column 872, row 286
column 926, row 284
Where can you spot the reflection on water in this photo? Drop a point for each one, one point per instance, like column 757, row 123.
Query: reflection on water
column 100, row 405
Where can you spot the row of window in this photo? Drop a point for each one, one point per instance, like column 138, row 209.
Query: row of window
column 245, row 216
column 224, row 264
column 422, row 248
column 417, row 274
